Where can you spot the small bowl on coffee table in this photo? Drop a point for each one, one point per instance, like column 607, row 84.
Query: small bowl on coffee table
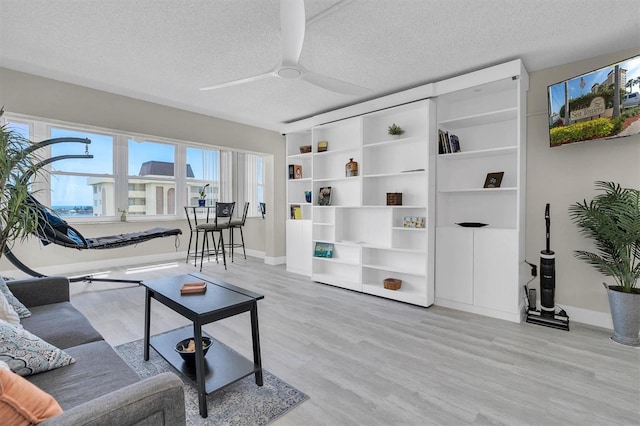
column 189, row 356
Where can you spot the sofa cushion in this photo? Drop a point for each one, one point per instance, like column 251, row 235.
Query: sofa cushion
column 28, row 354
column 97, row 371
column 60, row 324
column 22, row 403
column 21, row 310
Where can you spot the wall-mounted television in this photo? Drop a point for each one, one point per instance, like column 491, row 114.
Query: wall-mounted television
column 596, row 105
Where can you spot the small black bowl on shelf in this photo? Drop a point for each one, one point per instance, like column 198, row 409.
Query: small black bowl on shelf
column 189, row 356
column 471, row 224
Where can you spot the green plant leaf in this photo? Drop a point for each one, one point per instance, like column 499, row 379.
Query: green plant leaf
column 612, row 220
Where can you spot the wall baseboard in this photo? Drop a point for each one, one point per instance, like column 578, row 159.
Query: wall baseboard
column 273, row 261
column 589, row 317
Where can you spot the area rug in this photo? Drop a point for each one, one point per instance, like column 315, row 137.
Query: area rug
column 242, row 403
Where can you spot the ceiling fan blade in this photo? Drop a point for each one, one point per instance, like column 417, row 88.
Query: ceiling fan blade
column 292, row 27
column 334, row 85
column 241, row 81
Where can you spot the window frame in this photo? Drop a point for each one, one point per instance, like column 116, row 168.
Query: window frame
column 40, row 129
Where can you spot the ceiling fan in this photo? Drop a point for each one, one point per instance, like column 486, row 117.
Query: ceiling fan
column 292, row 29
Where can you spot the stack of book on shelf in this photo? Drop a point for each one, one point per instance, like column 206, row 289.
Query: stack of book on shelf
column 447, row 143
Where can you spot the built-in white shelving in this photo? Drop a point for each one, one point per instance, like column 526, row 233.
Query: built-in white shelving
column 481, row 269
column 369, row 241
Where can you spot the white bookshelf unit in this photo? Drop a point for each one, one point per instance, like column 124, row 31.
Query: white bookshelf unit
column 370, row 241
column 481, row 269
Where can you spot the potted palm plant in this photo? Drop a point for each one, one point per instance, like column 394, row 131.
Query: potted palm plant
column 612, row 221
column 17, row 218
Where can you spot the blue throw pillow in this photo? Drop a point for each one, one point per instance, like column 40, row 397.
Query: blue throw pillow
column 75, row 237
column 54, row 220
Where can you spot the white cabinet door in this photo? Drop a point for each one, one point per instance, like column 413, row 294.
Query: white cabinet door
column 496, row 269
column 299, row 253
column 454, row 264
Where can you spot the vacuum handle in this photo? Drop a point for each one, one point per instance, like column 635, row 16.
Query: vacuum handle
column 547, row 218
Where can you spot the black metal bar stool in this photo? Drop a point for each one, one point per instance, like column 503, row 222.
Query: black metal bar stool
column 222, row 221
column 238, row 224
column 192, row 220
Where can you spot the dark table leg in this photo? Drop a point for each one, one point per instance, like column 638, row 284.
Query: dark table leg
column 201, row 385
column 147, row 322
column 257, row 359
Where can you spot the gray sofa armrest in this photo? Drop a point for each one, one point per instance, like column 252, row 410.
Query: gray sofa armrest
column 40, row 291
column 157, row 400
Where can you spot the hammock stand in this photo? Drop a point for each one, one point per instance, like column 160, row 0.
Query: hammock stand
column 52, row 229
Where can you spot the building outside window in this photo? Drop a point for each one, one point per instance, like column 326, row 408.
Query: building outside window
column 152, row 174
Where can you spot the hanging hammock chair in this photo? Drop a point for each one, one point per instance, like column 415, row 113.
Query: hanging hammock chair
column 52, row 229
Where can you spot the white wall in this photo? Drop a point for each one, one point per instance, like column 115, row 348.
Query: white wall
column 22, row 93
column 563, row 175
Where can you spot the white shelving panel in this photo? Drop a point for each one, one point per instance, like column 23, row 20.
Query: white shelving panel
column 298, row 231
column 478, row 269
column 368, row 237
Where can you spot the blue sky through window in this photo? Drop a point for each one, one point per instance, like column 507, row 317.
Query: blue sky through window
column 143, row 151
column 101, row 147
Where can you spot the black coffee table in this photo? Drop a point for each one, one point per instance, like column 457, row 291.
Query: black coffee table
column 221, row 366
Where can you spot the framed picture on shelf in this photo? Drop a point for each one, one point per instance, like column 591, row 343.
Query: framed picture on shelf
column 323, row 250
column 295, row 171
column 296, row 211
column 324, row 196
column 493, row 180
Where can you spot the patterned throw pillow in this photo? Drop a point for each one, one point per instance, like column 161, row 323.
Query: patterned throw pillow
column 20, row 309
column 7, row 312
column 28, row 354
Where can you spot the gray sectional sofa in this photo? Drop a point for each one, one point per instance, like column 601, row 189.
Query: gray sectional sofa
column 99, row 388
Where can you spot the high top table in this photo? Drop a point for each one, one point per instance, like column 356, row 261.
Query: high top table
column 221, row 366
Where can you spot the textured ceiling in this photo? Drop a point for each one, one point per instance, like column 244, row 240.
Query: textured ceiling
column 163, row 51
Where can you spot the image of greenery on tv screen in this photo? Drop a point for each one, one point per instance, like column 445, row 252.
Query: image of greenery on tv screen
column 601, row 104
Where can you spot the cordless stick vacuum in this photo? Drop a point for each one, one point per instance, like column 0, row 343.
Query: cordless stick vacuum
column 547, row 314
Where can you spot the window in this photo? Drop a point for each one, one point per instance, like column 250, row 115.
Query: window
column 203, row 167
column 82, row 187
column 151, row 178
column 147, row 178
column 250, row 178
column 23, row 129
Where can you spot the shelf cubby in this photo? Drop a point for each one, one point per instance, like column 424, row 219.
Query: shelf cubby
column 375, row 189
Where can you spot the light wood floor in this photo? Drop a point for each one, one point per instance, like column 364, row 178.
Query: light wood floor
column 364, row 360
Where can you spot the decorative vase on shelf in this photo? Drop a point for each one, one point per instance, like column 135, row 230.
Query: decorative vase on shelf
column 307, row 196
column 351, row 168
